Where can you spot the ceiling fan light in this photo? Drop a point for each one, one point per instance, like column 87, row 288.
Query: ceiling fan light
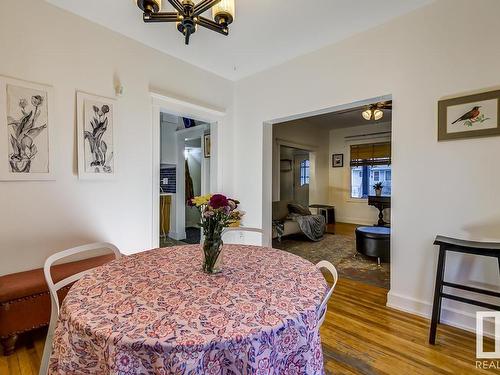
column 223, row 12
column 378, row 114
column 367, row 115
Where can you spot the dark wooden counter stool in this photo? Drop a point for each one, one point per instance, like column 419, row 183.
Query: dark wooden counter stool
column 488, row 249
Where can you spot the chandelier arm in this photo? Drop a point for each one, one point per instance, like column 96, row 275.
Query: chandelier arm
column 161, row 17
column 211, row 25
column 177, row 5
column 203, row 6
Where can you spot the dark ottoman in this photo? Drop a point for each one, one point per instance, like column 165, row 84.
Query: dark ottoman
column 374, row 242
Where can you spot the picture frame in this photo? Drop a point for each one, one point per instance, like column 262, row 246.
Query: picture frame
column 96, row 124
column 470, row 116
column 337, row 160
column 27, row 131
column 206, row 146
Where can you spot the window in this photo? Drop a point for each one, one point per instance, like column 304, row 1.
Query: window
column 370, row 163
column 304, row 172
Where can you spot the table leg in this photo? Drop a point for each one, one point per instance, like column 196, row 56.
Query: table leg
column 438, row 290
column 381, row 221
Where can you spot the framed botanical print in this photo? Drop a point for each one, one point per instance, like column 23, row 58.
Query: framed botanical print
column 469, row 116
column 337, row 160
column 96, row 120
column 26, row 131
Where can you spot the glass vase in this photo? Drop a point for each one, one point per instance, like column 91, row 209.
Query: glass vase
column 212, row 252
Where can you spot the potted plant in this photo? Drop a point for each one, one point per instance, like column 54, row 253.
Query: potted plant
column 217, row 212
column 378, row 189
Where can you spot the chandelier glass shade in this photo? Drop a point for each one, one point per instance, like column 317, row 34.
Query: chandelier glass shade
column 188, row 15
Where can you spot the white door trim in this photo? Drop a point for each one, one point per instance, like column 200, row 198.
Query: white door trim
column 214, row 117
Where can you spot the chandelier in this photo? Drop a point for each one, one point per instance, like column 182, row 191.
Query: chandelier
column 188, row 15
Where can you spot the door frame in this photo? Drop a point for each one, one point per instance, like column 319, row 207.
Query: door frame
column 277, row 143
column 180, row 210
column 267, row 154
column 215, row 117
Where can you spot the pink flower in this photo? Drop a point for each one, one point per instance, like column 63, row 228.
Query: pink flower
column 288, row 340
column 218, row 201
column 213, row 368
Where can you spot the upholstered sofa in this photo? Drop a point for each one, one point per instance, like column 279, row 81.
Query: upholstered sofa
column 280, row 213
column 25, row 300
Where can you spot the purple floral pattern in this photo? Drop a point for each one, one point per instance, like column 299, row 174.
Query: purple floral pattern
column 157, row 313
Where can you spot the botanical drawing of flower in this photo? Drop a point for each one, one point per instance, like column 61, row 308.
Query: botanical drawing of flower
column 98, row 147
column 23, row 134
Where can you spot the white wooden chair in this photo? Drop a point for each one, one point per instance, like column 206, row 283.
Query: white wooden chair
column 54, row 287
column 243, row 229
column 324, row 305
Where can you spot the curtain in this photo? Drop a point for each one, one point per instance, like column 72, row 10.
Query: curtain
column 371, row 154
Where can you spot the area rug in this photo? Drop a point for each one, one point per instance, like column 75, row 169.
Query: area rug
column 341, row 252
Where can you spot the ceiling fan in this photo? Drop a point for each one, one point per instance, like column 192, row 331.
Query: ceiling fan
column 375, row 111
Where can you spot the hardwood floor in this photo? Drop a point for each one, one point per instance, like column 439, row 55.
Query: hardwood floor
column 360, row 336
column 363, row 336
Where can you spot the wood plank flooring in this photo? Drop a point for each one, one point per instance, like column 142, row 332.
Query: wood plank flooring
column 360, row 336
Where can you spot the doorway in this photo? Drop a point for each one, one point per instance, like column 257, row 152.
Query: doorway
column 192, row 137
column 350, row 159
column 294, row 175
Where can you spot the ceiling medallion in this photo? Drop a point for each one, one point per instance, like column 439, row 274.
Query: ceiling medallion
column 188, row 15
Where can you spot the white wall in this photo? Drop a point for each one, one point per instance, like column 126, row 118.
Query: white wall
column 419, row 59
column 41, row 43
column 168, row 127
column 347, row 209
column 286, row 177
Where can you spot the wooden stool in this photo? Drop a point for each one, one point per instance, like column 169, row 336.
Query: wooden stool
column 459, row 246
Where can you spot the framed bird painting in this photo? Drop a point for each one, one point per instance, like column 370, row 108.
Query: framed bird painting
column 469, row 116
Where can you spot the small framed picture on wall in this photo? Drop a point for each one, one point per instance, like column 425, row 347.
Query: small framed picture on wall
column 469, row 116
column 337, row 160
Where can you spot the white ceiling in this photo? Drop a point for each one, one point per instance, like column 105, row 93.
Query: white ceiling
column 265, row 32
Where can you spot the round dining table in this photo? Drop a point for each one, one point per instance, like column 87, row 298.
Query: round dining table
column 157, row 312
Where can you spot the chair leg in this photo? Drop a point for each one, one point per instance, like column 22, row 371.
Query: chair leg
column 438, row 290
column 9, row 344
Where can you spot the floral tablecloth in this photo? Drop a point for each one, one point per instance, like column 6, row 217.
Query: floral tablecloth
column 157, row 313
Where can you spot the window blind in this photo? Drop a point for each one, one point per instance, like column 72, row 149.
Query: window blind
column 371, row 154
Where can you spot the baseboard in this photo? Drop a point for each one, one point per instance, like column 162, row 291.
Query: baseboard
column 177, row 236
column 455, row 318
column 352, row 220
